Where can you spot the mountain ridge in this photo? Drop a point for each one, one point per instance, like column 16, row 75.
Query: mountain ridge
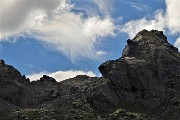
column 143, row 84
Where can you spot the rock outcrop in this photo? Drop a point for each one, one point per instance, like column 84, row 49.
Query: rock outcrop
column 148, row 72
column 143, row 84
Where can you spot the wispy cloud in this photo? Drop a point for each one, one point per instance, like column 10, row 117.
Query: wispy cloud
column 56, row 25
column 101, row 53
column 73, row 36
column 138, row 6
column 61, row 75
column 105, row 6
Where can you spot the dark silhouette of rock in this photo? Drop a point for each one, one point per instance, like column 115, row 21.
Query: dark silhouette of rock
column 143, row 84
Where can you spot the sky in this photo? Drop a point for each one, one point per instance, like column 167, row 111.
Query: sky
column 65, row 38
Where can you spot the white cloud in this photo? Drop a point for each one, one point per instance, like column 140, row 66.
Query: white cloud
column 61, row 75
column 134, row 26
column 72, row 35
column 100, row 53
column 173, row 16
column 177, row 43
column 168, row 21
column 55, row 25
column 95, row 27
column 105, row 6
column 17, row 15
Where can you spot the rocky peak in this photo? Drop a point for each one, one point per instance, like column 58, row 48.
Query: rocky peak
column 2, row 62
column 84, row 77
column 148, row 71
column 147, row 44
column 8, row 72
column 46, row 78
column 160, row 37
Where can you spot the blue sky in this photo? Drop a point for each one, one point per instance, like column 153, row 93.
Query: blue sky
column 63, row 38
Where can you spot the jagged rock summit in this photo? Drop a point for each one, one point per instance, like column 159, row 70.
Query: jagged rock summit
column 143, row 84
column 148, row 72
column 146, row 43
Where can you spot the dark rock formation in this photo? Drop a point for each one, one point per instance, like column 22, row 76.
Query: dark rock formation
column 148, row 72
column 143, row 84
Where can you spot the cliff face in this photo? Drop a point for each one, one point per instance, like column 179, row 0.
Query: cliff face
column 143, row 84
column 148, row 72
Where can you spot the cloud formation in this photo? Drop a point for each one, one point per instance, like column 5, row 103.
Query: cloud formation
column 56, row 25
column 168, row 20
column 172, row 15
column 72, row 35
column 61, row 75
column 18, row 15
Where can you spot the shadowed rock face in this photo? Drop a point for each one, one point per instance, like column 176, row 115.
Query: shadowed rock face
column 9, row 89
column 146, row 77
column 148, row 72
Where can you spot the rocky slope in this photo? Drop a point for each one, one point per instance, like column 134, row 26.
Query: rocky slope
column 143, row 84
